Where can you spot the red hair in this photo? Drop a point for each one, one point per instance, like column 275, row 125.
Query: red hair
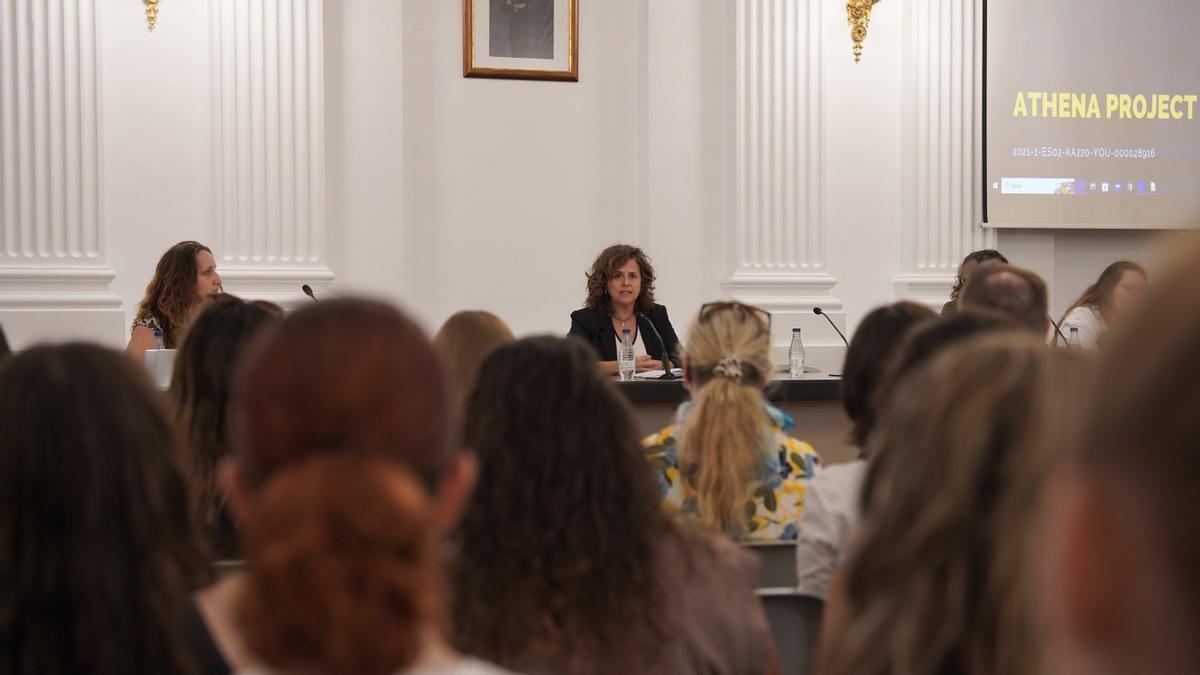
column 342, row 568
column 344, row 375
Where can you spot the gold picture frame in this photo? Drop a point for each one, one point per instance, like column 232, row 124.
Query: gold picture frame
column 534, row 54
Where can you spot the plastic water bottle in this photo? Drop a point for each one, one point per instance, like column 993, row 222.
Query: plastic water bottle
column 796, row 354
column 158, row 340
column 625, row 361
column 1074, row 342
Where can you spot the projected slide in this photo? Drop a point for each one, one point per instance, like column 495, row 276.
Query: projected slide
column 1093, row 113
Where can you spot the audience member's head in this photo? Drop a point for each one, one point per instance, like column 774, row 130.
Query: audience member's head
column 558, row 547
column 1115, row 293
column 727, row 364
column 464, row 341
column 5, row 350
column 921, row 344
column 935, row 583
column 200, row 388
column 345, row 375
column 343, row 568
column 186, row 276
column 1122, row 542
column 98, row 547
column 880, row 334
column 973, row 260
column 1009, row 291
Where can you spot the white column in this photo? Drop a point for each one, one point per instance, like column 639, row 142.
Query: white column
column 777, row 239
column 269, row 146
column 943, row 157
column 53, row 271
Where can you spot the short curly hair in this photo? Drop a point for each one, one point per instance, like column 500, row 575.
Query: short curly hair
column 609, row 261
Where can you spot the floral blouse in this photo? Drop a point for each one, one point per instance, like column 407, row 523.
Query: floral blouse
column 778, row 497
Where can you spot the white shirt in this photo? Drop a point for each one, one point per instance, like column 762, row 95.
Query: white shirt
column 1089, row 323
column 826, row 524
column 639, row 349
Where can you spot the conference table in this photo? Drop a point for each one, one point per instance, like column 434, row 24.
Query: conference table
column 813, row 400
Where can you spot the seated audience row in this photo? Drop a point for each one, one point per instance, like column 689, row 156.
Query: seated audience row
column 505, row 510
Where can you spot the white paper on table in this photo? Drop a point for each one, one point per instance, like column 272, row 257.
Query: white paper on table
column 655, row 374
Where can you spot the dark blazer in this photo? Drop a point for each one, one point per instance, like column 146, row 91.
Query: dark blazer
column 595, row 328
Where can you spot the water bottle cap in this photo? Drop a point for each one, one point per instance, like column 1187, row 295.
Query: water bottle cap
column 158, row 333
column 624, row 330
column 795, row 330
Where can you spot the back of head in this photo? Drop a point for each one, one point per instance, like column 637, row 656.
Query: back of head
column 344, row 375
column 98, row 550
column 5, row 350
column 973, row 259
column 878, row 337
column 935, row 582
column 1148, row 408
column 464, row 341
column 728, row 364
column 200, row 386
column 558, row 545
column 921, row 345
column 342, row 568
column 1010, row 291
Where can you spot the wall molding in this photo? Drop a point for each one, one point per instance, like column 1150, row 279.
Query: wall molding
column 269, row 146
column 777, row 238
column 52, row 252
column 942, row 146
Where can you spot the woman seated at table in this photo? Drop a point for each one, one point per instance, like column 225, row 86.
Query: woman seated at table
column 620, row 295
column 728, row 461
column 184, row 281
column 1105, row 304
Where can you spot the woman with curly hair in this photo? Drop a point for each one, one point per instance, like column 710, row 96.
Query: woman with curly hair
column 974, row 259
column 567, row 562
column 186, row 278
column 620, row 296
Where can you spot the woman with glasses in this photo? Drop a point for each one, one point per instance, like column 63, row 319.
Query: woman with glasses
column 620, row 296
column 1106, row 303
column 728, row 460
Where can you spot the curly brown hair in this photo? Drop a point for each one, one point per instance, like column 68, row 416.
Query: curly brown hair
column 171, row 293
column 609, row 261
column 342, row 567
column 560, row 547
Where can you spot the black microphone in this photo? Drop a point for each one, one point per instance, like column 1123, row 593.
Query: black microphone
column 1058, row 332
column 309, row 292
column 667, row 374
column 820, row 312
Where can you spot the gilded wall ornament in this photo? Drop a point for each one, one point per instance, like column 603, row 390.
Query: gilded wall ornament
column 858, row 13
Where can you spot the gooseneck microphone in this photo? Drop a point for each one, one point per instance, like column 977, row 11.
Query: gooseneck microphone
column 820, row 312
column 666, row 358
column 1058, row 332
column 309, row 292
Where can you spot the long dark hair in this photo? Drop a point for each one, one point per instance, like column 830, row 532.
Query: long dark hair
column 975, row 257
column 606, row 264
column 558, row 553
column 201, row 385
column 1099, row 294
column 171, row 293
column 877, row 339
column 98, row 547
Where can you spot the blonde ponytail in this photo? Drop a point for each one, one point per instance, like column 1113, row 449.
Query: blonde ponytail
column 721, row 453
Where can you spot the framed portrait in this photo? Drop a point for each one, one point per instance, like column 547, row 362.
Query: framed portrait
column 521, row 39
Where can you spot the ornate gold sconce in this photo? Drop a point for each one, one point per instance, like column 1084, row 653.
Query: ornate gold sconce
column 151, row 12
column 859, row 14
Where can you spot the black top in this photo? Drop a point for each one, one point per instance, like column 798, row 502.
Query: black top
column 595, row 327
column 204, row 651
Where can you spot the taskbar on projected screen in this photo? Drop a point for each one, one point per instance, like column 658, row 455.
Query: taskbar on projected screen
column 1056, row 186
